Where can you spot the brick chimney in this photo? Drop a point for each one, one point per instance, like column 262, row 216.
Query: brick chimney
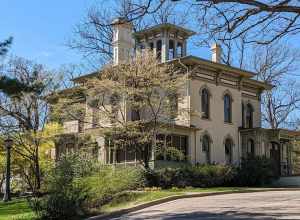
column 123, row 42
column 216, row 52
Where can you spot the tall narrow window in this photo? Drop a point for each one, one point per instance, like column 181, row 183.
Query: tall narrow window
column 243, row 115
column 206, row 148
column 171, row 50
column 249, row 116
column 95, row 117
column 158, row 50
column 205, row 103
column 227, row 108
column 114, row 101
column 251, row 147
column 151, row 46
column 179, row 49
column 173, row 103
column 228, row 150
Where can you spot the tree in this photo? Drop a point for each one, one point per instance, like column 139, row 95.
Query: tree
column 142, row 86
column 23, row 114
column 276, row 65
column 261, row 21
column 94, row 35
column 4, row 46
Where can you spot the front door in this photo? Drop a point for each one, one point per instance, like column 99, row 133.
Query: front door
column 275, row 156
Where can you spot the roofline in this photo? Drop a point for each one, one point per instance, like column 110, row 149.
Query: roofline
column 166, row 25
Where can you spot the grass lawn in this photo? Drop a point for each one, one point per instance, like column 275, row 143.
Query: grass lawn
column 17, row 209
column 130, row 199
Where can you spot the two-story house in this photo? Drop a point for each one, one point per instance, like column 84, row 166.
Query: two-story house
column 224, row 119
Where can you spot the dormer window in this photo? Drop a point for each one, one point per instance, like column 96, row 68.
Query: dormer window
column 179, row 49
column 171, row 50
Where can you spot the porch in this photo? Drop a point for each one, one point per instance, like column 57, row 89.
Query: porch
column 280, row 145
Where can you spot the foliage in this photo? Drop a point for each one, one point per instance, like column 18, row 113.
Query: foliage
column 142, row 84
column 108, row 183
column 255, row 171
column 4, row 45
column 195, row 176
column 66, row 194
column 170, row 154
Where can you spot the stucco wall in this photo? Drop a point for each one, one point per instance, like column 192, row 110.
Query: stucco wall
column 215, row 126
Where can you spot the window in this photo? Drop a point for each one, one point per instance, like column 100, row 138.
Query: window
column 243, row 115
column 171, row 50
column 227, row 108
column 158, row 50
column 151, row 46
column 173, row 102
column 180, row 142
column 206, row 148
column 95, row 117
column 249, row 116
column 179, row 49
column 205, row 103
column 135, row 116
column 228, row 150
column 114, row 100
column 251, row 147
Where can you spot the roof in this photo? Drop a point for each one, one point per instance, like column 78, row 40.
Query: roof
column 168, row 26
column 191, row 60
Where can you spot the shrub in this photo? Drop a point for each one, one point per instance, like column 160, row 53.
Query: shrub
column 65, row 192
column 194, row 176
column 255, row 171
column 108, row 183
column 170, row 154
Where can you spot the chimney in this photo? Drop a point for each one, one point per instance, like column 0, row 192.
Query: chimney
column 123, row 42
column 216, row 51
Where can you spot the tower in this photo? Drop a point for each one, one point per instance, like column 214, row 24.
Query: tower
column 168, row 41
column 123, row 42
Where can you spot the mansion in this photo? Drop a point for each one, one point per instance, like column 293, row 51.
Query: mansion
column 224, row 121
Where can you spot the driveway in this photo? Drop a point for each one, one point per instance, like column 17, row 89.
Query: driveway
column 260, row 205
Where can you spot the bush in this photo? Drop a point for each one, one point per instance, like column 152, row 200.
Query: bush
column 255, row 171
column 108, row 183
column 170, row 154
column 66, row 193
column 194, row 176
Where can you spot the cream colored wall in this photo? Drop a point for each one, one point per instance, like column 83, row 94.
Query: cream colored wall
column 215, row 126
column 257, row 110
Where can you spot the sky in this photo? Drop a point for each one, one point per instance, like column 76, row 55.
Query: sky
column 41, row 28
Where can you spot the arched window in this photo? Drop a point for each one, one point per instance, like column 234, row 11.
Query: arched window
column 158, row 50
column 206, row 148
column 171, row 50
column 227, row 108
column 249, row 116
column 179, row 49
column 251, row 147
column 205, row 103
column 228, row 150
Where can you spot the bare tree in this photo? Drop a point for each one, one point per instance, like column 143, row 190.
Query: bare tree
column 93, row 36
column 277, row 65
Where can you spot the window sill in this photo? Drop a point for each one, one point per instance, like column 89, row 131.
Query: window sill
column 228, row 123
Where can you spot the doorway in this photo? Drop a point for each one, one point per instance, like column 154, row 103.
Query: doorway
column 275, row 156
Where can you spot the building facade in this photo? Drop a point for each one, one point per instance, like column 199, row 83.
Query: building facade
column 223, row 121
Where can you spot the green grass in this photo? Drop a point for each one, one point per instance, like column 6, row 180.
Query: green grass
column 17, row 209
column 130, row 199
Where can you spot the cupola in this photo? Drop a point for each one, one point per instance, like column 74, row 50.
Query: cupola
column 168, row 41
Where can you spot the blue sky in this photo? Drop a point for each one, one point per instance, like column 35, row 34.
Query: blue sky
column 41, row 28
